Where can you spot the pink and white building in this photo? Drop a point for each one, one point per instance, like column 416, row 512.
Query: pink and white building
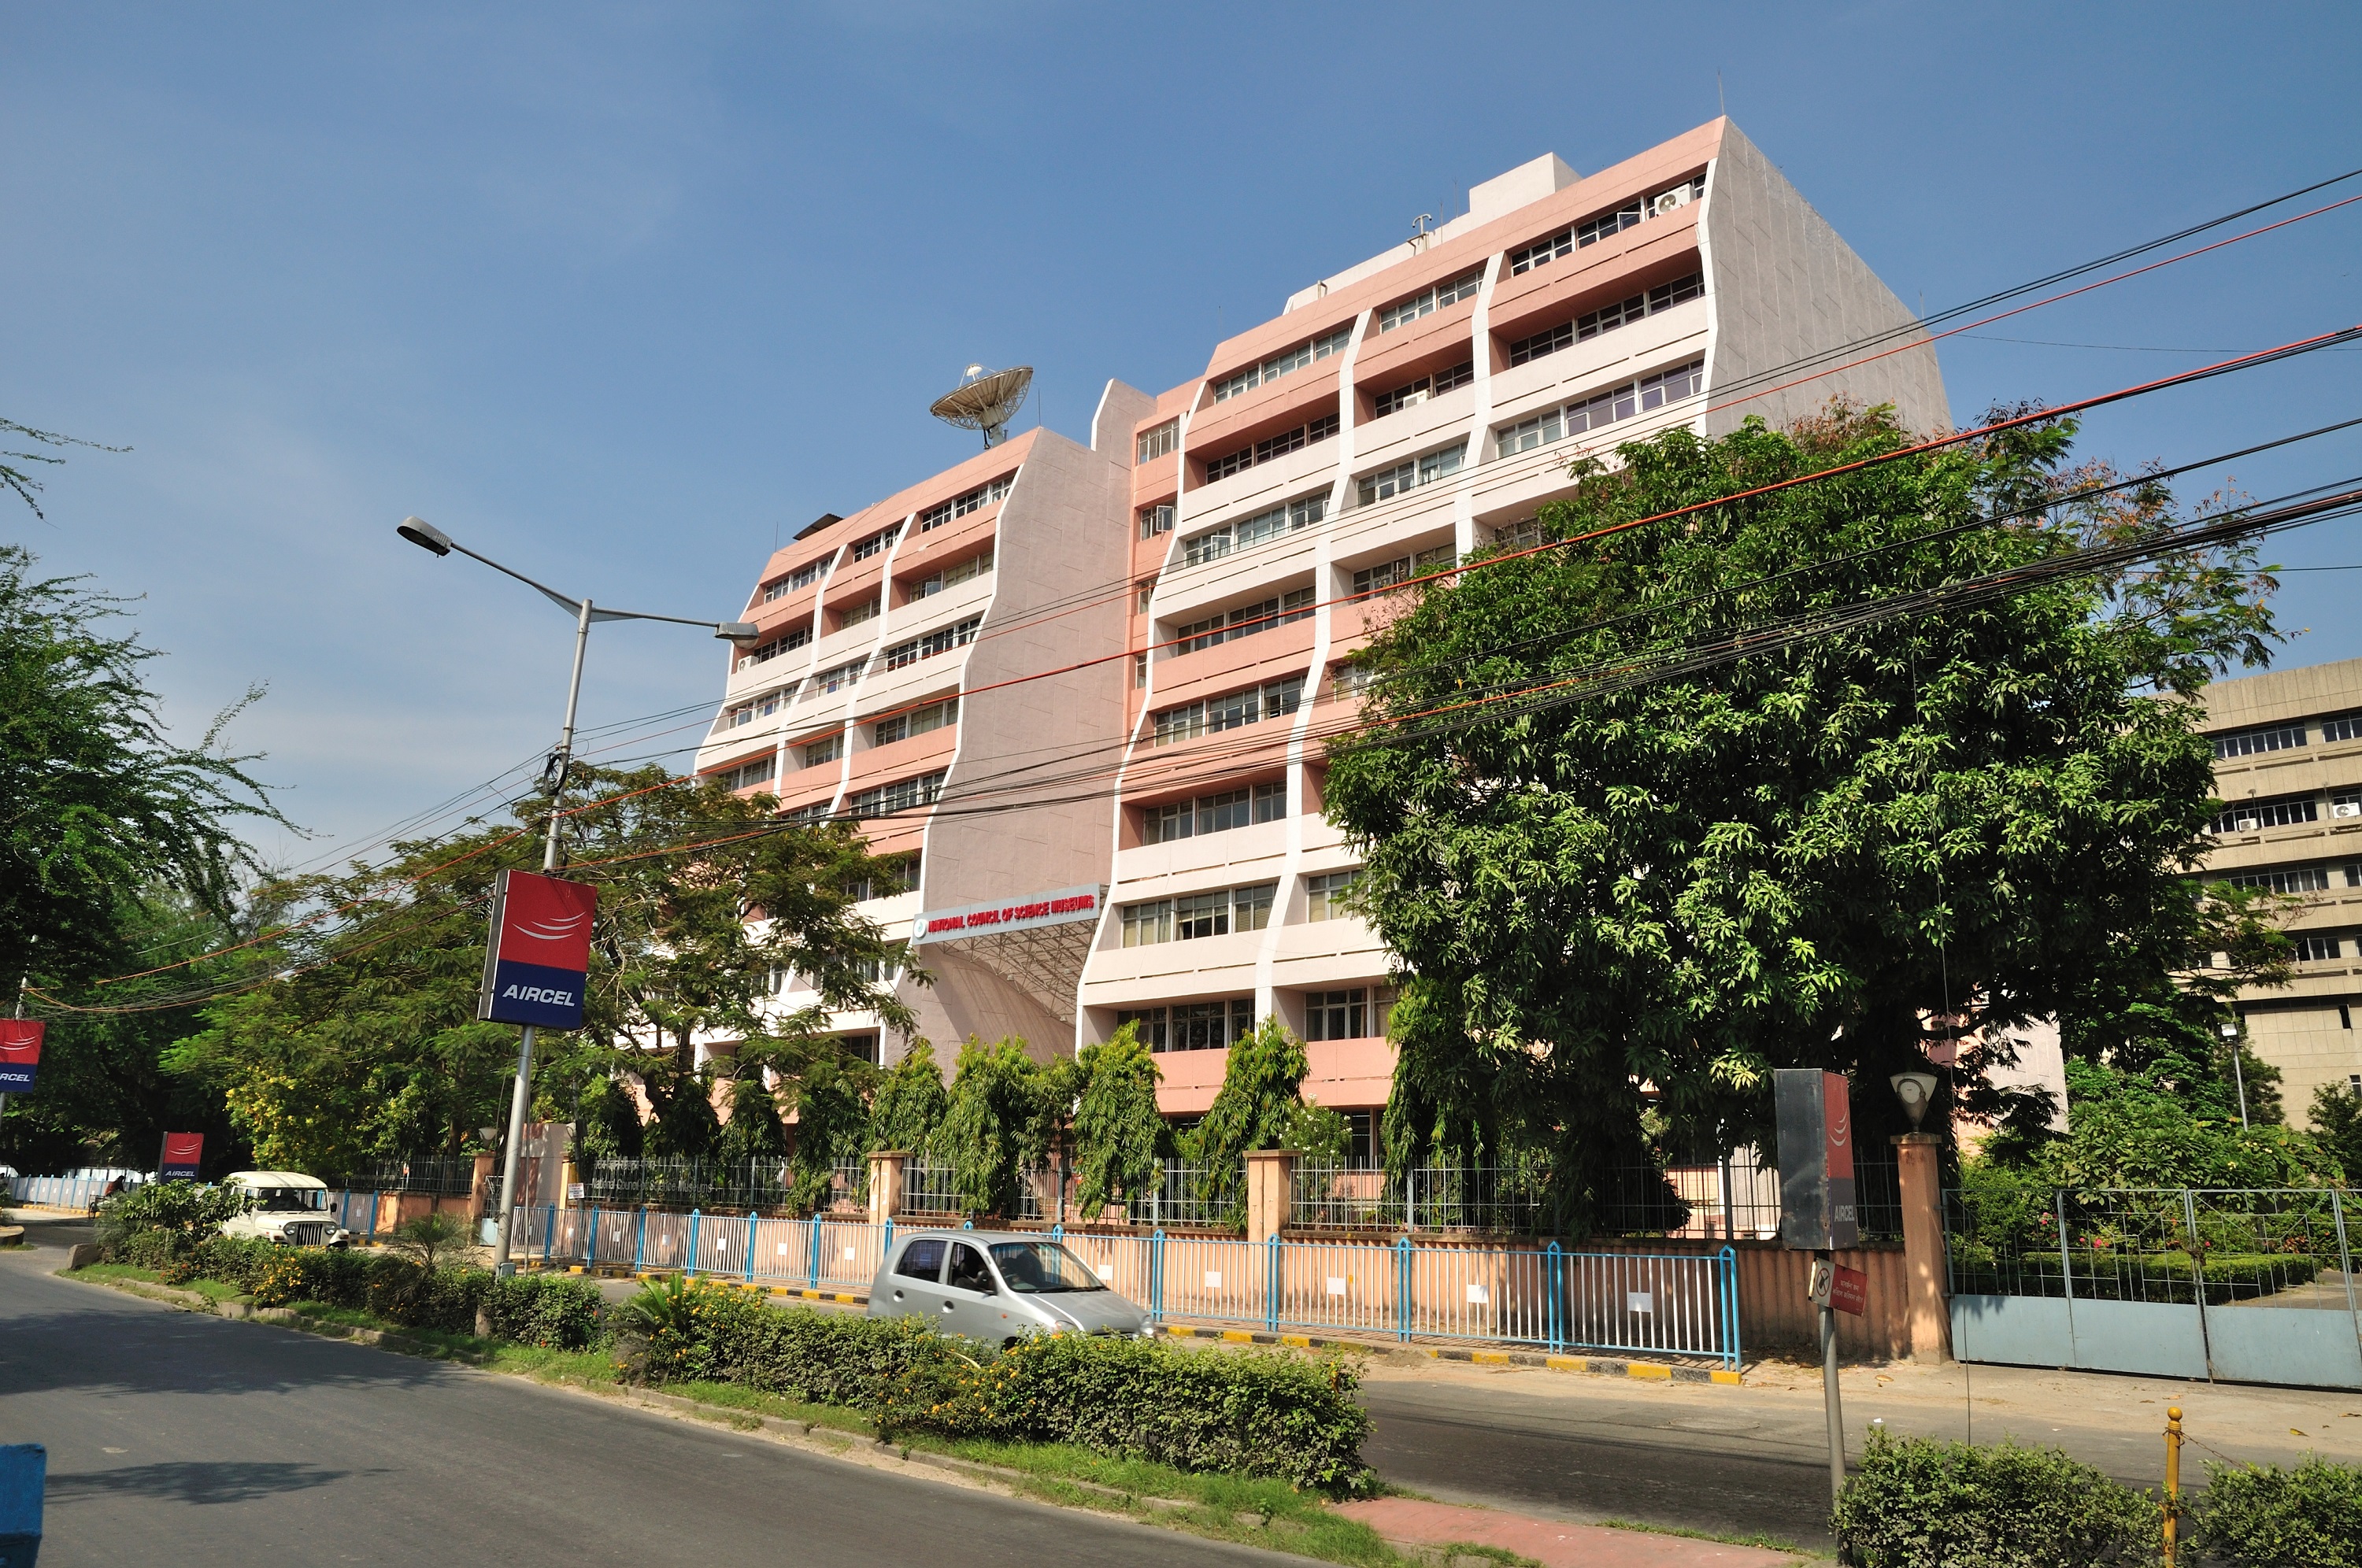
column 1135, row 834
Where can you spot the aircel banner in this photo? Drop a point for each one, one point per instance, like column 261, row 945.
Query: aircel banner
column 21, row 1053
column 1816, row 1190
column 540, row 951
column 183, row 1151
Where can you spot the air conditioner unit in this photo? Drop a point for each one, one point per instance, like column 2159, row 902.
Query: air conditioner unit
column 2247, row 824
column 2345, row 809
column 1679, row 197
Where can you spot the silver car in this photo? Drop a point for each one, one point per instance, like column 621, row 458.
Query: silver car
column 998, row 1288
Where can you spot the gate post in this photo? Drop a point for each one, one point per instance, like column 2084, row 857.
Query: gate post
column 690, row 1267
column 1402, row 1288
column 1924, row 1313
column 888, row 1169
column 754, row 1221
column 1271, row 1179
column 640, row 1241
column 1157, row 1275
column 1271, row 1288
column 1553, row 1298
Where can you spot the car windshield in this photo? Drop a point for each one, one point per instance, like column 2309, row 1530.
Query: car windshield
column 281, row 1200
column 1043, row 1268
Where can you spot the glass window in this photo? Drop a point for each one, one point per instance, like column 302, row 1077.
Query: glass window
column 823, row 750
column 811, row 572
column 1208, row 1026
column 854, row 615
column 923, row 1259
column 1200, row 915
column 1528, row 434
column 1285, row 364
column 1156, row 520
column 2253, row 816
column 2345, row 727
column 1277, row 446
column 1671, row 386
column 1150, row 1023
column 877, row 543
column 975, row 500
column 1324, row 896
column 1271, row 802
column 1408, row 476
column 942, row 640
column 1244, row 620
column 969, row 1272
column 1159, row 442
column 2313, row 947
column 1250, row 907
column 917, row 722
column 1337, row 1015
column 1043, row 1268
column 1431, row 301
column 2250, row 742
column 2295, row 879
column 903, row 795
column 1272, row 523
column 1146, row 924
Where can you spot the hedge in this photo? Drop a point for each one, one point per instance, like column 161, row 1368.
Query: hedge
column 552, row 1310
column 1923, row 1504
column 1250, row 1413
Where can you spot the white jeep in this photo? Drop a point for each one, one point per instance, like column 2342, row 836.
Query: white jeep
column 290, row 1208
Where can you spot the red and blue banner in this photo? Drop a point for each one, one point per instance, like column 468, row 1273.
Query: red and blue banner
column 183, row 1151
column 540, row 951
column 21, row 1053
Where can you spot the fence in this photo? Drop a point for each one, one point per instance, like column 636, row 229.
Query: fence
column 2170, row 1281
column 440, row 1176
column 56, row 1191
column 1546, row 1297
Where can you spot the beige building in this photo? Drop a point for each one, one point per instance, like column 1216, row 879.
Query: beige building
column 2288, row 764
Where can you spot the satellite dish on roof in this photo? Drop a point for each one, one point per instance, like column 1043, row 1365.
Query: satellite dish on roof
column 984, row 401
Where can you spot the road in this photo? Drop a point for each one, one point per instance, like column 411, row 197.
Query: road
column 190, row 1440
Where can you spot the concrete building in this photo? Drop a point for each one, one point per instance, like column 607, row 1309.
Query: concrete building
column 1199, row 572
column 2288, row 765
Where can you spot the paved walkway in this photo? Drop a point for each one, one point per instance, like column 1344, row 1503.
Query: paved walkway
column 1547, row 1541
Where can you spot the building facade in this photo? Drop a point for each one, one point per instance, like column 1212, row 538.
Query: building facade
column 2288, row 765
column 1134, row 833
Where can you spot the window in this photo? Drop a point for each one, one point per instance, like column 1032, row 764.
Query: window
column 762, row 707
column 1426, row 387
column 838, row 678
column 917, row 722
column 1285, row 518
column 2252, row 816
column 1159, row 442
column 1245, row 620
column 745, row 774
column 787, row 642
column 1606, row 319
column 899, row 796
column 1337, row 1015
column 950, row 576
column 2249, row 743
column 1272, row 700
column 877, row 543
column 807, row 816
column 1139, row 669
column 854, row 615
column 1671, row 386
column 1156, row 520
column 2311, row 947
column 1522, row 536
column 2345, row 727
column 1428, row 304
column 1528, row 434
column 2300, row 879
column 2347, row 806
column 1278, row 446
column 1193, row 1026
column 1402, row 569
column 809, row 573
column 1287, row 364
column 975, row 500
column 942, row 640
column 923, row 1259
column 897, row 875
column 824, row 751
column 1351, row 680
column 1214, row 813
column 1590, row 231
column 1324, row 896
column 1408, row 476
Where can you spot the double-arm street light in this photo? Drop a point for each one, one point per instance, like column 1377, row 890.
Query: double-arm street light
column 426, row 536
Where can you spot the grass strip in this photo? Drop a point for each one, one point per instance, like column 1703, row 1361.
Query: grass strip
column 211, row 1289
column 1767, row 1542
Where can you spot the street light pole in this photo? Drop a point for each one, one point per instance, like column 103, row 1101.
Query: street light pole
column 426, row 536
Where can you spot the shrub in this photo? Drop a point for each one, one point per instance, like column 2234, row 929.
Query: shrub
column 1923, row 1504
column 181, row 1208
column 2259, row 1517
column 1263, row 1414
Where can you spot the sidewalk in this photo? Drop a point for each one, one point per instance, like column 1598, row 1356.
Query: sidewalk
column 1413, row 1523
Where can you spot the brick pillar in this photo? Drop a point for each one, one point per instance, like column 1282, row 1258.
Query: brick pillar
column 1271, row 1181
column 569, row 1177
column 1926, row 1313
column 885, row 1168
column 484, row 1196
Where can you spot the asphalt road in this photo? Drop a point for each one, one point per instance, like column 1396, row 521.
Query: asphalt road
column 181, row 1439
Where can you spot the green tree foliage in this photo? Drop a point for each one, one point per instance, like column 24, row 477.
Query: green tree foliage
column 1261, row 1097
column 2337, row 1125
column 102, row 804
column 1119, row 1135
column 181, row 1208
column 358, row 1037
column 993, row 1129
column 1660, row 859
column 909, row 1103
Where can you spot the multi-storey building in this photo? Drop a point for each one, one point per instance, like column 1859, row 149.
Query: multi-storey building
column 1175, row 870
column 2288, row 765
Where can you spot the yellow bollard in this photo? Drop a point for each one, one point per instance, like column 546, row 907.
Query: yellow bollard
column 2172, row 1477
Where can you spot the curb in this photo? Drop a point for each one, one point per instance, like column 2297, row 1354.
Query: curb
column 1645, row 1371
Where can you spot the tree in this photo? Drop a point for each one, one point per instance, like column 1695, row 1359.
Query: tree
column 2337, row 1124
column 358, row 1035
column 1261, row 1097
column 1632, row 852
column 1119, row 1134
column 102, row 806
column 909, row 1104
column 992, row 1130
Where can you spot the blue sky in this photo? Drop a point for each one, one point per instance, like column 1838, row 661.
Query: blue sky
column 622, row 294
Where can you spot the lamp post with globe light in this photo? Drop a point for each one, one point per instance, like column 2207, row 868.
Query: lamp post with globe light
column 426, row 536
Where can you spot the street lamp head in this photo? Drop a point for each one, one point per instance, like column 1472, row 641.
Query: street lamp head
column 1916, row 1091
column 425, row 534
column 740, row 631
